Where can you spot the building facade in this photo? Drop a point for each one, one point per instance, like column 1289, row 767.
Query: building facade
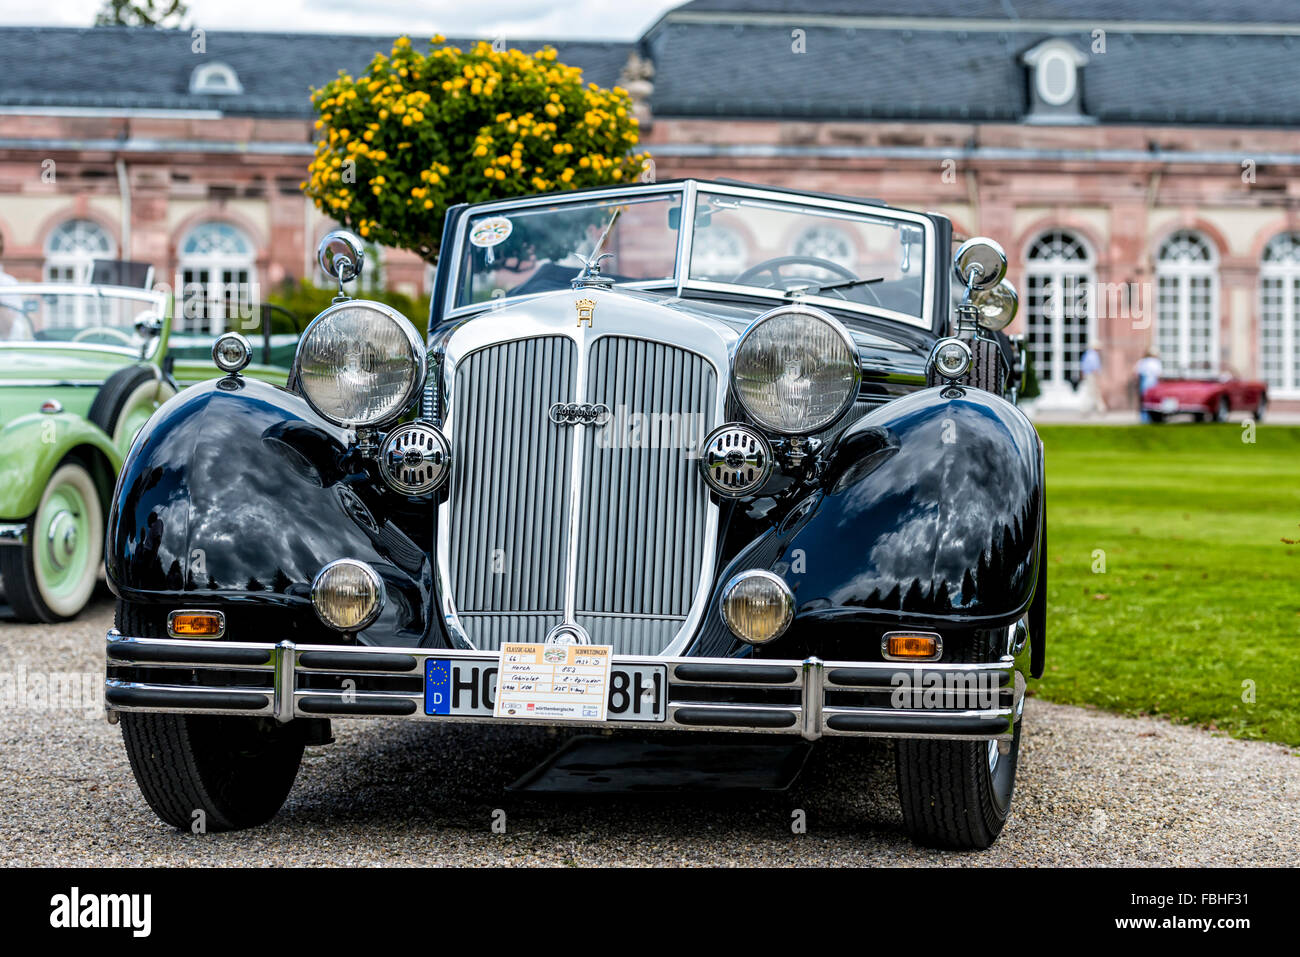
column 1139, row 166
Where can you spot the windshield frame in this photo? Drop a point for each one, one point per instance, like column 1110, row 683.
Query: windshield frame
column 159, row 300
column 689, row 191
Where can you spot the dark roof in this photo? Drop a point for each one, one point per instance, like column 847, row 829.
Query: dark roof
column 749, row 69
column 1209, row 63
column 125, row 67
column 1083, row 11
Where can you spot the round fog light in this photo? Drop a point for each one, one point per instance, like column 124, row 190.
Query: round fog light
column 347, row 594
column 757, row 606
column 231, row 352
column 951, row 358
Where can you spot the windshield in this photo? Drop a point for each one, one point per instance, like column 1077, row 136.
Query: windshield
column 833, row 252
column 88, row 317
column 541, row 248
column 874, row 262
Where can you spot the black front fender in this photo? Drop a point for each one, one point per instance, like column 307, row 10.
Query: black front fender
column 235, row 492
column 930, row 514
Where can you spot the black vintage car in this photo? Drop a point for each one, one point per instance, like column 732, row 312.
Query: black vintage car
column 677, row 456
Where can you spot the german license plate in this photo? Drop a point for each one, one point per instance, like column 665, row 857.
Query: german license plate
column 459, row 687
column 1168, row 405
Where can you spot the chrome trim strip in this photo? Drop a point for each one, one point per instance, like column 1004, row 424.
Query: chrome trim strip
column 285, row 682
column 51, row 383
column 14, row 533
column 577, row 486
column 810, row 718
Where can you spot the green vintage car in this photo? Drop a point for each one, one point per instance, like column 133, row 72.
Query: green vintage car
column 82, row 368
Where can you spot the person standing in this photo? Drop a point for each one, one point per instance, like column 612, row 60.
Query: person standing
column 1090, row 368
column 1148, row 373
column 13, row 324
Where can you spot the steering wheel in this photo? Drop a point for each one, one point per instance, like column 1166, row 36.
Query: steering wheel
column 104, row 330
column 772, row 267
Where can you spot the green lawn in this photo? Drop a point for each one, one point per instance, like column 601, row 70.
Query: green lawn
column 1201, row 590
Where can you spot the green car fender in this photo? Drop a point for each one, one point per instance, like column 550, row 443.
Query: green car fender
column 31, row 447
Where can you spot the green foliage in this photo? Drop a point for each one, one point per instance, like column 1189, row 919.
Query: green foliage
column 305, row 300
column 141, row 13
column 418, row 132
column 1030, row 388
column 1198, row 605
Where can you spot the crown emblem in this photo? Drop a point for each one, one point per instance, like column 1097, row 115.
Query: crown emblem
column 586, row 307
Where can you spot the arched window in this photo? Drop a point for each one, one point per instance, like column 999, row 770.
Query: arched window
column 717, row 253
column 215, row 78
column 1187, row 302
column 1279, row 314
column 71, row 249
column 1059, row 274
column 218, row 272
column 825, row 242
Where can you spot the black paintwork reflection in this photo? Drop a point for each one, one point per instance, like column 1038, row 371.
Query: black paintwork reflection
column 931, row 511
column 241, row 495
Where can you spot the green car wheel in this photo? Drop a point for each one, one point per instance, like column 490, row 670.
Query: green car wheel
column 52, row 575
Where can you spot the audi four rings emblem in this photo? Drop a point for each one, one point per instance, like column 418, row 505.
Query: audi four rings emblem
column 574, row 413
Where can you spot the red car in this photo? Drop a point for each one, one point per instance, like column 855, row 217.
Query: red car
column 1205, row 396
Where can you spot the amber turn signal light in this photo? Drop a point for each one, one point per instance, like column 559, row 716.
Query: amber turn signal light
column 911, row 646
column 196, row 624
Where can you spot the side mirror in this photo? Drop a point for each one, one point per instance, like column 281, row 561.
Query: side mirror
column 980, row 263
column 342, row 255
column 148, row 326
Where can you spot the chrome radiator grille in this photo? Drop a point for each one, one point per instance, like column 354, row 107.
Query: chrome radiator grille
column 642, row 507
column 510, row 484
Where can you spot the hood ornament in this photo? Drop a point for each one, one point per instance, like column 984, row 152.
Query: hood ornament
column 589, row 276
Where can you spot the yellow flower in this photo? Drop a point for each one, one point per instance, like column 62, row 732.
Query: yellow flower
column 428, row 204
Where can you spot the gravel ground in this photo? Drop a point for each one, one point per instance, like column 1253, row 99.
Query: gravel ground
column 1093, row 789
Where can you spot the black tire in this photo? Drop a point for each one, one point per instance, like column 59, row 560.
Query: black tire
column 24, row 586
column 112, row 396
column 956, row 794
column 236, row 771
column 1157, row 418
column 1261, row 407
column 1221, row 409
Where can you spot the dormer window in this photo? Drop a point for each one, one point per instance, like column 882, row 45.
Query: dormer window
column 1054, row 88
column 215, row 78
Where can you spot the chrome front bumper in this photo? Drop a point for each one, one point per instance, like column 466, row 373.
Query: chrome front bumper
column 810, row 698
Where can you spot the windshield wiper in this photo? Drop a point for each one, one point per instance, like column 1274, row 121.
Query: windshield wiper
column 817, row 288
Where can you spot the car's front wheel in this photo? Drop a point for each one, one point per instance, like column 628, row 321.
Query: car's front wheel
column 956, row 794
column 51, row 576
column 208, row 772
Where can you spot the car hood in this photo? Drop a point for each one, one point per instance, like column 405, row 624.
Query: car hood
column 1188, row 390
column 30, row 375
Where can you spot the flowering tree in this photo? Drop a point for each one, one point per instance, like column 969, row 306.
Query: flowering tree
column 418, row 132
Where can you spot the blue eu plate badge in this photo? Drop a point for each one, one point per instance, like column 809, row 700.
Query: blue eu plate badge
column 437, row 686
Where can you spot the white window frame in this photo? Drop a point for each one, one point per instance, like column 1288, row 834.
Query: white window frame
column 214, row 263
column 1287, row 270
column 1181, row 272
column 81, row 256
column 1055, row 271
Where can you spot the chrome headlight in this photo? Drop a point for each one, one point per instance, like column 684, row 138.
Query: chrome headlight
column 360, row 364
column 796, row 370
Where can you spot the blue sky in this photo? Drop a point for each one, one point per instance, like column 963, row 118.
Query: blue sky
column 558, row 19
